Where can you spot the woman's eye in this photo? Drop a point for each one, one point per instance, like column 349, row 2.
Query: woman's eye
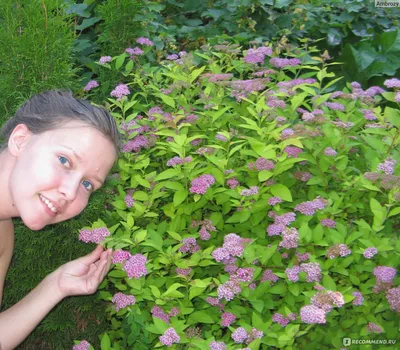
column 63, row 160
column 88, row 185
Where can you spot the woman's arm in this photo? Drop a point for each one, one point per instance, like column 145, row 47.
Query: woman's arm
column 79, row 277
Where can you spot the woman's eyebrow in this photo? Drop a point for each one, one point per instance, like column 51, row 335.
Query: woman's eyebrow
column 77, row 155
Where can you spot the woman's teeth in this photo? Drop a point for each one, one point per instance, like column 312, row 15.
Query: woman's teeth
column 51, row 207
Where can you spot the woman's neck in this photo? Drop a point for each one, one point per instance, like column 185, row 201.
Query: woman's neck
column 7, row 209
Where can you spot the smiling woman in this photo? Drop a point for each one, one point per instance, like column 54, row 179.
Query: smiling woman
column 58, row 151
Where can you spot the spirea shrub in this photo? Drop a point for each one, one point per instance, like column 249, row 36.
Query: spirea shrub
column 253, row 206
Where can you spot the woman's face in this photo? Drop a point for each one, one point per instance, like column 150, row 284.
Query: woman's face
column 56, row 171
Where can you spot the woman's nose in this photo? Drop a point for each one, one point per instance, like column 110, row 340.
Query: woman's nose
column 69, row 187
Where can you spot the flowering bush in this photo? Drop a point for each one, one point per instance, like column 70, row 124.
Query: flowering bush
column 253, row 206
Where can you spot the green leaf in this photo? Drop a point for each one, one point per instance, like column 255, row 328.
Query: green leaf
column 196, row 73
column 379, row 214
column 394, row 211
column 156, row 292
column 277, row 289
column 328, row 283
column 105, row 342
column 200, row 317
column 294, row 289
column 120, row 60
column 180, row 196
column 264, row 175
column 140, row 195
column 281, row 191
column 172, row 290
column 167, row 100
column 129, row 67
column 167, row 174
column 175, row 235
column 239, row 217
column 117, row 273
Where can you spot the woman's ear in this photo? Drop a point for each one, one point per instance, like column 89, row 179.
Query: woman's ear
column 19, row 138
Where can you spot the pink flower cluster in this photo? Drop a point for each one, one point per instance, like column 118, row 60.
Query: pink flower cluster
column 227, row 319
column 105, row 59
column 392, row 83
column 205, row 230
column 178, row 161
column 268, row 275
column 292, row 83
column 136, row 144
column 232, row 183
column 137, row 51
column 335, row 106
column 135, row 266
column 359, row 299
column 282, row 320
column 264, row 164
column 290, row 238
column 274, row 200
column 284, row 62
column 310, row 207
column 330, row 152
column 183, row 272
column 217, row 77
column 83, row 345
column 96, row 235
column 250, row 192
column 313, row 271
column 328, row 223
column 122, row 300
column 120, row 256
column 257, row 55
column 240, row 335
column 384, row 274
column 91, row 85
column 292, row 151
column 243, row 274
column 144, row 41
column 302, row 257
column 221, row 137
column 233, row 246
column 218, row 345
column 120, row 91
column 302, row 176
column 170, row 337
column 312, row 314
column 387, row 166
column 280, row 222
column 189, row 245
column 158, row 312
column 338, row 250
column 327, row 299
column 129, row 199
column 368, row 114
column 369, row 253
column 393, row 298
column 374, row 328
column 228, row 290
column 202, row 183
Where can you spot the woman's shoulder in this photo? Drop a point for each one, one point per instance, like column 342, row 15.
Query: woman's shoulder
column 6, row 235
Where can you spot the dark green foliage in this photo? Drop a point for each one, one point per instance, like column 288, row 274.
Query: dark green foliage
column 38, row 253
column 36, row 49
column 121, row 24
column 373, row 57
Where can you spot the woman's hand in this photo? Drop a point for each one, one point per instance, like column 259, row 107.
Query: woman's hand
column 83, row 276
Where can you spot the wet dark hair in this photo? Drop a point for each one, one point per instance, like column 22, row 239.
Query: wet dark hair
column 51, row 109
